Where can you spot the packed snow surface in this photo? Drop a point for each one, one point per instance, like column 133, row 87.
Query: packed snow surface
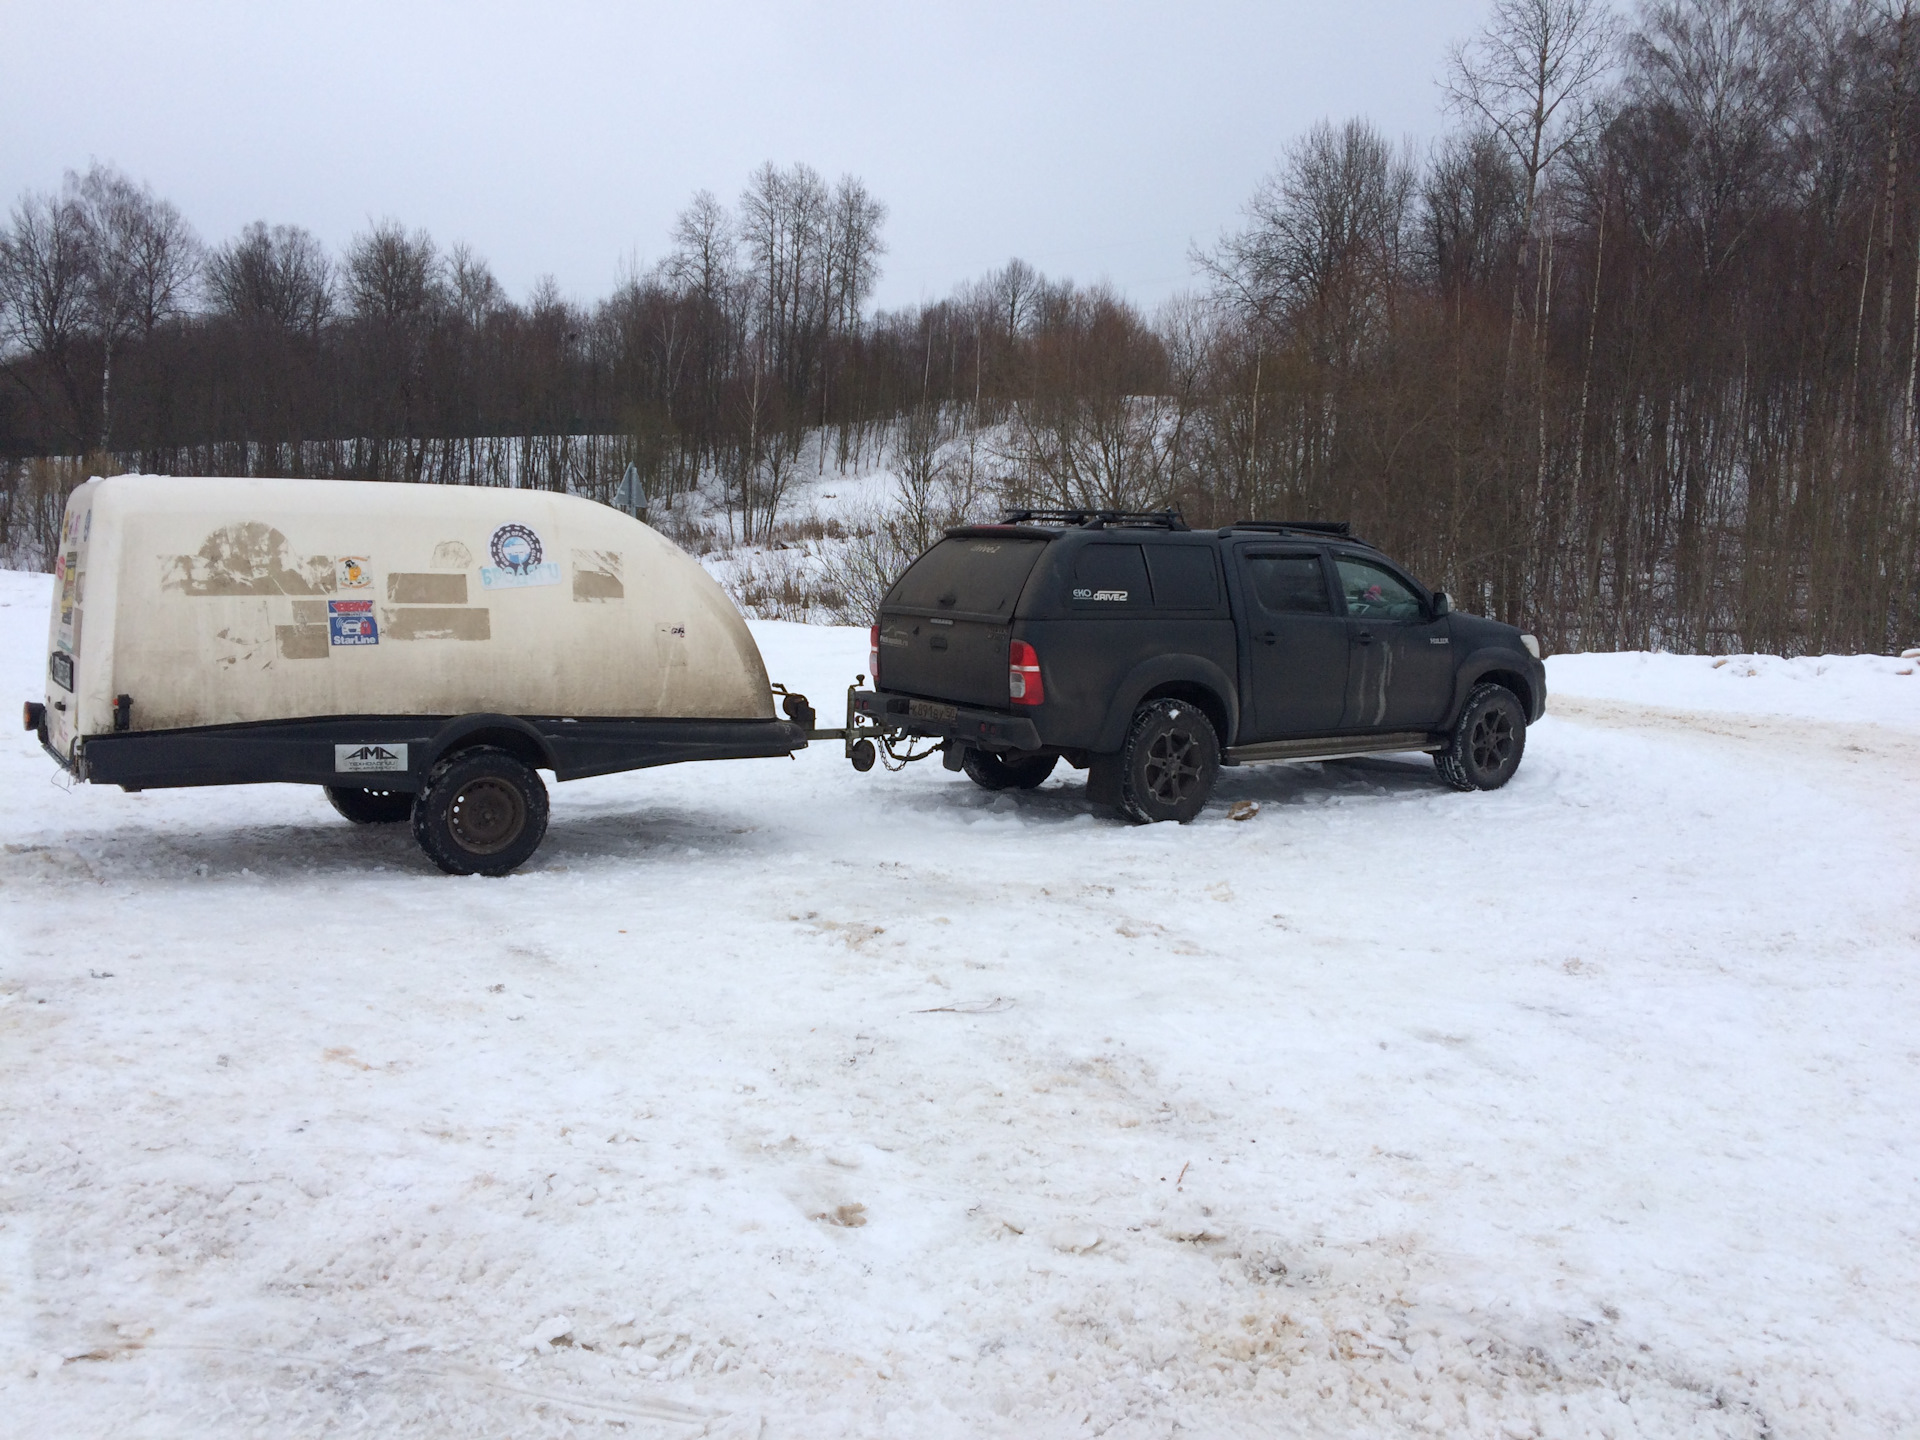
column 772, row 1099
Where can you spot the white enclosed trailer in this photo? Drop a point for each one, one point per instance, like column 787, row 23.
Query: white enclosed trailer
column 418, row 650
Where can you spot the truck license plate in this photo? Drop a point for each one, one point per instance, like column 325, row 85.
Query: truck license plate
column 930, row 710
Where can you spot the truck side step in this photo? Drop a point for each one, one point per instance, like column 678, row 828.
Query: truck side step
column 1331, row 747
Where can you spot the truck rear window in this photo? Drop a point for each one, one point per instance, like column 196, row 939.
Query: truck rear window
column 977, row 575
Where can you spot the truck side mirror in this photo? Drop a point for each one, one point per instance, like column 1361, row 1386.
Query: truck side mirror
column 1441, row 604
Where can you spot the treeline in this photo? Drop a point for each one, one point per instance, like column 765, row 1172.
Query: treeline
column 1629, row 357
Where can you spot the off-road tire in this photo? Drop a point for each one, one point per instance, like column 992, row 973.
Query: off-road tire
column 993, row 771
column 370, row 807
column 481, row 812
column 1169, row 762
column 1487, row 741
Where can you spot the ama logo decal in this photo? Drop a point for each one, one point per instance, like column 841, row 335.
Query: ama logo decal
column 359, row 759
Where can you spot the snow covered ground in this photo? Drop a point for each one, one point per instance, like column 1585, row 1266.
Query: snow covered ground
column 776, row 1100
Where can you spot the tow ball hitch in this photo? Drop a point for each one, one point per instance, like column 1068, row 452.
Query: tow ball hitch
column 857, row 735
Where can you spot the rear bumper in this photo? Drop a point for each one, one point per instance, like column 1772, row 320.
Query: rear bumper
column 935, row 719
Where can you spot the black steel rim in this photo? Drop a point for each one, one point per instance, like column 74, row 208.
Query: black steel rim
column 1492, row 739
column 1172, row 769
column 487, row 815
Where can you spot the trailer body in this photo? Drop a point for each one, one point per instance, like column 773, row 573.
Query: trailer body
column 355, row 634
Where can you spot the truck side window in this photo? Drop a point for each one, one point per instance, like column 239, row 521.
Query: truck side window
column 1110, row 576
column 1374, row 593
column 1185, row 577
column 1289, row 584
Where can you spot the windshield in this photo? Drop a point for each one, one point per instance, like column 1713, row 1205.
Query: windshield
column 974, row 575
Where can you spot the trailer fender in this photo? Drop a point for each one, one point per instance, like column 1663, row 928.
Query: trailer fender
column 503, row 732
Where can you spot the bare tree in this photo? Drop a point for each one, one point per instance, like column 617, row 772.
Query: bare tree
column 393, row 276
column 1531, row 77
column 1326, row 233
column 473, row 291
column 1719, row 75
column 1013, row 288
column 279, row 277
column 44, row 268
column 923, row 472
column 1470, row 212
column 141, row 257
column 851, row 262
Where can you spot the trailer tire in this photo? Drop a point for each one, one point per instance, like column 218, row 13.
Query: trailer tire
column 991, row 770
column 481, row 812
column 370, row 807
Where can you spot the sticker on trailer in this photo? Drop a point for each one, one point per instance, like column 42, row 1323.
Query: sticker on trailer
column 352, row 572
column 492, row 578
column 360, row 759
column 351, row 622
column 1119, row 595
column 519, row 560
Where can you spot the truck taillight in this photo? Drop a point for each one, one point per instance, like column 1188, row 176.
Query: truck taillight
column 1024, row 685
column 873, row 656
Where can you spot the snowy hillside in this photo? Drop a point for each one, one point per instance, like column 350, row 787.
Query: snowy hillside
column 772, row 1099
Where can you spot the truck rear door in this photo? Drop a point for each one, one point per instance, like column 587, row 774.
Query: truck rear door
column 945, row 624
column 1294, row 643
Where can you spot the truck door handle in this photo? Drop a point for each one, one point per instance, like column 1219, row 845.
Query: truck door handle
column 1365, row 637
column 1270, row 637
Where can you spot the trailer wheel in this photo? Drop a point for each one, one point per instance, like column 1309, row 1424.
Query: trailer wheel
column 370, row 807
column 481, row 812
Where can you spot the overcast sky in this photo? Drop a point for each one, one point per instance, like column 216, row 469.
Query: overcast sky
column 1094, row 140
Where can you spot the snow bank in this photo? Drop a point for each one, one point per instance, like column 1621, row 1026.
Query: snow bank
column 1874, row 689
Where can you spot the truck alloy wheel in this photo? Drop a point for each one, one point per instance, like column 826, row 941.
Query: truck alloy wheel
column 481, row 812
column 1170, row 763
column 1487, row 741
column 370, row 807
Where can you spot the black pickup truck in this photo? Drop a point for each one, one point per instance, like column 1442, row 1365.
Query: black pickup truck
column 1151, row 654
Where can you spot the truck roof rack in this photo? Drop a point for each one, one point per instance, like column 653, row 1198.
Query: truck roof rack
column 1342, row 528
column 1098, row 519
column 1317, row 529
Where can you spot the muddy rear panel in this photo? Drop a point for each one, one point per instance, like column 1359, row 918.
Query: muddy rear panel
column 945, row 625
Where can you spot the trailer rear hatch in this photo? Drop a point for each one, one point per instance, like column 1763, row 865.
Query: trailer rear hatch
column 945, row 625
column 66, row 627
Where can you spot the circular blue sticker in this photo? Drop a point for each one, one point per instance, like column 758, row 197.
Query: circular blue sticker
column 515, row 548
